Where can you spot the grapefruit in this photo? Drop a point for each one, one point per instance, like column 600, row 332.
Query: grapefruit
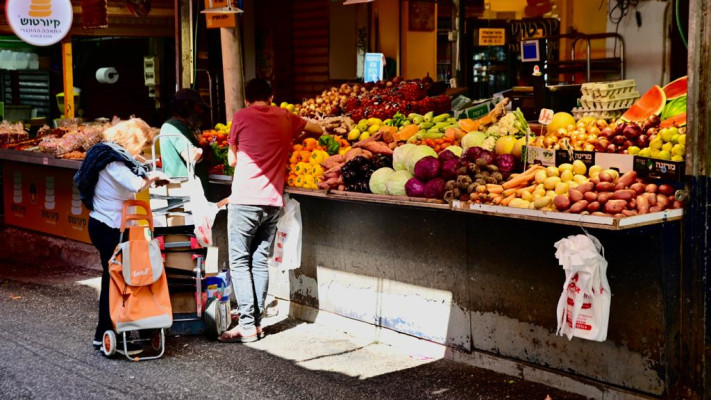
column 560, row 120
column 505, row 145
column 675, row 89
column 651, row 103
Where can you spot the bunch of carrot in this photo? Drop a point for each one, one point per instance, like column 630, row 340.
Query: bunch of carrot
column 519, row 183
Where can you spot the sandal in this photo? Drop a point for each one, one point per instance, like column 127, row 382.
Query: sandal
column 237, row 336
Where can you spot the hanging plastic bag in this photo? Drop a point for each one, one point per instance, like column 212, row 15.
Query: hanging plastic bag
column 203, row 212
column 584, row 305
column 287, row 243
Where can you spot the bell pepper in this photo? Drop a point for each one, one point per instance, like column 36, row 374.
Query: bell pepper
column 332, row 146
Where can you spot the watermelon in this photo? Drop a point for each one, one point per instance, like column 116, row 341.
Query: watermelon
column 674, row 108
column 677, row 120
column 651, row 103
column 675, row 89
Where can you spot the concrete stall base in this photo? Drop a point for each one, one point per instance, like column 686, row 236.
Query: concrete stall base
column 484, row 290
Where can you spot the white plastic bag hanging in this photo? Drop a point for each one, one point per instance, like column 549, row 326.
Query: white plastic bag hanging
column 287, row 243
column 584, row 305
column 203, row 212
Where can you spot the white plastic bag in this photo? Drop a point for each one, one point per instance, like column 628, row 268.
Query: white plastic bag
column 287, row 243
column 203, row 212
column 586, row 293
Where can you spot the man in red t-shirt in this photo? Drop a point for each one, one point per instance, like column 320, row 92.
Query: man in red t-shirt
column 260, row 140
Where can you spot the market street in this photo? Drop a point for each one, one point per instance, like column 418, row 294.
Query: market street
column 48, row 315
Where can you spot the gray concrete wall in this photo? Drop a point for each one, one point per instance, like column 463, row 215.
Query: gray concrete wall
column 478, row 283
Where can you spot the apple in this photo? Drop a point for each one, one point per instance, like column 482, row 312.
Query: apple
column 611, row 148
column 620, row 129
column 619, row 139
column 643, row 141
column 632, row 131
column 606, row 133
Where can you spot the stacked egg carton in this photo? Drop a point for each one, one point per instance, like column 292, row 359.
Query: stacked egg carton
column 607, row 100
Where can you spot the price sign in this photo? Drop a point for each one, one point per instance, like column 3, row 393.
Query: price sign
column 492, row 37
column 546, row 116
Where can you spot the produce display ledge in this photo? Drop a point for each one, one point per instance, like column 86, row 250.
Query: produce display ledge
column 33, row 157
column 587, row 221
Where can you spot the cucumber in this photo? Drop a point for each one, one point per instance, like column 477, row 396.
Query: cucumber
column 433, row 135
column 440, row 118
column 442, row 125
column 426, row 125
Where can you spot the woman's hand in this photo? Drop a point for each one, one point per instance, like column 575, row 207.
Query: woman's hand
column 158, row 177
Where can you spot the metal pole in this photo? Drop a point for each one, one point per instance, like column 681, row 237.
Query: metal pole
column 695, row 335
column 68, row 69
column 233, row 74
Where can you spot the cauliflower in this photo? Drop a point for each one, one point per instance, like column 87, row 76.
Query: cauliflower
column 489, row 143
column 508, row 125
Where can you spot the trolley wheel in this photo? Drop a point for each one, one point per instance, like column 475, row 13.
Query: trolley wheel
column 108, row 345
column 211, row 318
column 155, row 340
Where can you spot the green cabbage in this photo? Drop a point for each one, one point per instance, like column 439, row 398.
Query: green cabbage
column 379, row 180
column 473, row 139
column 456, row 150
column 416, row 155
column 400, row 155
column 396, row 183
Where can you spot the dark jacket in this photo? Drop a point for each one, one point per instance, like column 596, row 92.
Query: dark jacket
column 97, row 158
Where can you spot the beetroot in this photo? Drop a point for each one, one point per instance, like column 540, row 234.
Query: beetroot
column 449, row 169
column 506, row 163
column 445, row 155
column 471, row 154
column 415, row 188
column 427, row 168
column 488, row 156
column 434, row 189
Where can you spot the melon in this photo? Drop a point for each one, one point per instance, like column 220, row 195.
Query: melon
column 651, row 103
column 675, row 89
column 677, row 120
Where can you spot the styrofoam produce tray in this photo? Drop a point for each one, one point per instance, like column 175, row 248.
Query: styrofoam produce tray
column 617, row 102
column 603, row 89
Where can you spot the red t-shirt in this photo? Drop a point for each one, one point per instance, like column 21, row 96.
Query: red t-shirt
column 263, row 136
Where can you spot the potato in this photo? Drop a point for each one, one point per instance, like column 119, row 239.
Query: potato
column 620, row 215
column 599, row 214
column 666, row 189
column 655, row 209
column 651, row 188
column 662, row 201
column 542, row 202
column 579, row 206
column 604, row 187
column 595, row 180
column 677, row 204
column 605, row 177
column 629, row 213
column 651, row 198
column 615, row 206
column 613, row 173
column 575, row 195
column 585, row 187
column 625, row 194
column 603, row 197
column 594, row 206
column 632, row 204
column 619, row 186
column 638, row 187
column 628, row 178
column 591, row 196
column 642, row 204
column 562, row 202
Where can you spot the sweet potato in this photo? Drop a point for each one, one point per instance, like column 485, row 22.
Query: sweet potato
column 590, row 196
column 353, row 153
column 594, row 206
column 599, row 214
column 642, row 204
column 620, row 215
column 627, row 178
column 632, row 204
column 625, row 194
column 575, row 195
column 604, row 187
column 579, row 206
column 604, row 197
column 561, row 202
column 378, row 148
column 615, row 206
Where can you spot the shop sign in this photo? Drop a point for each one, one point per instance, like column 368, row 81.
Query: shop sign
column 44, row 199
column 476, row 111
column 39, row 22
column 373, row 69
column 220, row 20
column 492, row 37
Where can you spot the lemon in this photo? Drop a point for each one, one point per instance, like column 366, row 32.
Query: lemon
column 667, row 134
column 682, row 139
column 664, row 155
column 375, row 121
column 677, row 158
column 354, row 134
column 364, row 135
column 677, row 150
column 656, row 144
column 667, row 146
column 646, row 152
column 633, row 150
column 283, row 104
column 290, row 107
column 373, row 129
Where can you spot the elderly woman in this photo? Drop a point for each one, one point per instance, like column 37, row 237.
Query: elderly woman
column 108, row 176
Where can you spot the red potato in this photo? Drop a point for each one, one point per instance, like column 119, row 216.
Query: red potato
column 662, row 201
column 561, row 202
column 591, row 196
column 625, row 194
column 575, row 195
column 585, row 187
column 652, row 198
column 638, row 187
column 628, row 178
column 672, row 199
column 651, row 188
column 642, row 204
column 629, row 213
column 599, row 214
column 619, row 215
column 632, row 204
column 605, row 177
column 604, row 187
column 619, row 186
column 585, row 213
column 666, row 189
column 615, row 206
column 677, row 204
column 594, row 206
column 595, row 180
column 579, row 206
column 604, row 197
column 655, row 209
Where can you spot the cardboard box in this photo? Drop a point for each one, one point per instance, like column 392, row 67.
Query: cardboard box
column 620, row 162
column 652, row 168
column 565, row 156
column 180, row 260
column 183, row 302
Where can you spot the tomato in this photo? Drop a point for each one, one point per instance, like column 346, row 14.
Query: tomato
column 221, row 137
column 203, row 142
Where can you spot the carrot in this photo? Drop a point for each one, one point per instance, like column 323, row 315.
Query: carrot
column 406, row 132
column 525, row 189
column 523, row 178
column 439, row 141
column 507, row 200
column 497, row 199
column 509, row 192
column 498, row 190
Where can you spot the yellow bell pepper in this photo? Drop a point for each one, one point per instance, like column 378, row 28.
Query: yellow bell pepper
column 343, row 151
column 318, row 156
column 302, row 168
column 299, row 182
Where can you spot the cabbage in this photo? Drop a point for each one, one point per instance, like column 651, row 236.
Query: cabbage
column 449, row 169
column 473, row 139
column 416, row 155
column 400, row 155
column 379, row 180
column 506, row 162
column 445, row 155
column 427, row 168
column 471, row 154
column 456, row 150
column 415, row 188
column 396, row 183
column 488, row 156
column 434, row 189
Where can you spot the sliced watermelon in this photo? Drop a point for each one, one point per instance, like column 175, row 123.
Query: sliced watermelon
column 651, row 103
column 677, row 120
column 675, row 89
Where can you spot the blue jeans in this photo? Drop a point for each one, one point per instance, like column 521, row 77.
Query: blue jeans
column 250, row 231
